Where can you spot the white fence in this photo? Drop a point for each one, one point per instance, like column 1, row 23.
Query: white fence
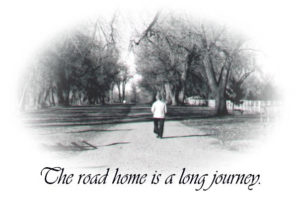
column 249, row 106
column 255, row 106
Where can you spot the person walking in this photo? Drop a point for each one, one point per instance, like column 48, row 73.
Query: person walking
column 159, row 110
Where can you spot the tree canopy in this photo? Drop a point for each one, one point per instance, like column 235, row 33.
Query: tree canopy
column 79, row 67
column 178, row 55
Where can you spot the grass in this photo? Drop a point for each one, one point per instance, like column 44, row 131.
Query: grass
column 233, row 132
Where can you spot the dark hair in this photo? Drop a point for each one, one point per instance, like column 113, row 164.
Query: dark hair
column 158, row 96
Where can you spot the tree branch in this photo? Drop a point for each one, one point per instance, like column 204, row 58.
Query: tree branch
column 148, row 29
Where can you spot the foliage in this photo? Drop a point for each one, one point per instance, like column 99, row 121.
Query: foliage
column 182, row 57
column 77, row 68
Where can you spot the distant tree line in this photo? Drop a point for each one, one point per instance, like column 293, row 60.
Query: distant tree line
column 81, row 67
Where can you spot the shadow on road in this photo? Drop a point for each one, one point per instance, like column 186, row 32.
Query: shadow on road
column 98, row 130
column 116, row 143
column 79, row 146
column 187, row 136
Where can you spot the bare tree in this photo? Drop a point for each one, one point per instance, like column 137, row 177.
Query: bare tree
column 221, row 55
column 121, row 80
column 175, row 45
column 80, row 67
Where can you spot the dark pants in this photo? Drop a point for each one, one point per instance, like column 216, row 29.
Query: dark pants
column 159, row 126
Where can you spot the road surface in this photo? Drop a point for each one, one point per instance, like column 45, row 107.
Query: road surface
column 134, row 146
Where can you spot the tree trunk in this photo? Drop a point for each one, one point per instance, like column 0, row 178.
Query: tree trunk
column 168, row 94
column 111, row 93
column 180, row 91
column 66, row 95
column 217, row 87
column 184, row 76
column 153, row 95
column 52, row 97
column 119, row 91
column 40, row 101
column 221, row 108
column 47, row 94
column 173, row 98
column 60, row 98
column 22, row 102
column 181, row 96
column 171, row 95
column 123, row 90
column 102, row 100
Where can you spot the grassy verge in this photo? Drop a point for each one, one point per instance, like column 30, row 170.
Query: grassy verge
column 232, row 132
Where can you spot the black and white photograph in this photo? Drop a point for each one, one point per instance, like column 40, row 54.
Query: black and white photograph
column 150, row 98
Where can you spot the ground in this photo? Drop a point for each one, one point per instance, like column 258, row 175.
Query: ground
column 122, row 136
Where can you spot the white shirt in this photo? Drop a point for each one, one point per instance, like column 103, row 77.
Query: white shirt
column 159, row 109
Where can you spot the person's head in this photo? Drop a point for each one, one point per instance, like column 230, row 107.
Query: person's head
column 158, row 96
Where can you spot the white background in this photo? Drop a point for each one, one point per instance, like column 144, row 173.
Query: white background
column 274, row 27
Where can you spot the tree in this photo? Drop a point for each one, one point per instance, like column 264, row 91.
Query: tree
column 134, row 93
column 220, row 54
column 235, row 91
column 79, row 67
column 161, row 50
column 172, row 46
column 121, row 80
